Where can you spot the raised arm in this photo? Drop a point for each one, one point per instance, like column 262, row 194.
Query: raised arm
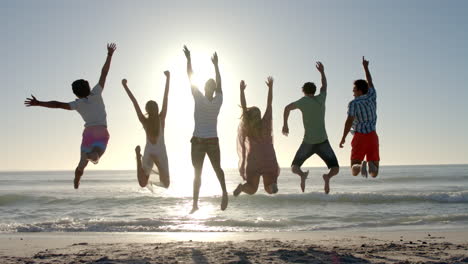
column 242, row 96
column 365, row 63
column 189, row 63
column 321, row 69
column 140, row 115
column 214, row 59
column 162, row 114
column 347, row 128
column 269, row 83
column 51, row 104
column 105, row 69
column 287, row 109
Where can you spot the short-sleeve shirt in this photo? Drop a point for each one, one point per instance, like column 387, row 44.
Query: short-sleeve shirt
column 313, row 117
column 364, row 111
column 206, row 114
column 91, row 108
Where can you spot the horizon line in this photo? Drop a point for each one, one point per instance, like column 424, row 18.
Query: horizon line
column 400, row 165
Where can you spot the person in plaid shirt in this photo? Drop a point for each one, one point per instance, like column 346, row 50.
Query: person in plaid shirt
column 361, row 121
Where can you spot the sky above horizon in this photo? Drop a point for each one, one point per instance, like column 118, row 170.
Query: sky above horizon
column 417, row 51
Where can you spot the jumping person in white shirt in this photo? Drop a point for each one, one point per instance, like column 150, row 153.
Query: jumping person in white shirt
column 90, row 106
column 205, row 137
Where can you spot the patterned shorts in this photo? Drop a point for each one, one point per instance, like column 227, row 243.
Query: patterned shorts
column 95, row 137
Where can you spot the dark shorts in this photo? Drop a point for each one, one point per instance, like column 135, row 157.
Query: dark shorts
column 205, row 146
column 323, row 150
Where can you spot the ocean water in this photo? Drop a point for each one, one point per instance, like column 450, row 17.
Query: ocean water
column 401, row 198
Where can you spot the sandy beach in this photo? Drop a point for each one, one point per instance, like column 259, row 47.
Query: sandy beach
column 288, row 247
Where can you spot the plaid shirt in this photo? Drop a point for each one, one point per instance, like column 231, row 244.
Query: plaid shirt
column 364, row 110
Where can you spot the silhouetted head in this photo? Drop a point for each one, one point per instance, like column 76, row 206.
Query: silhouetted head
column 251, row 120
column 253, row 114
column 361, row 87
column 152, row 124
column 152, row 108
column 210, row 87
column 81, row 88
column 309, row 88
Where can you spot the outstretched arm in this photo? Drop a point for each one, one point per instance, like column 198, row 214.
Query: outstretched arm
column 214, row 59
column 242, row 96
column 287, row 109
column 269, row 83
column 162, row 114
column 105, row 69
column 321, row 69
column 51, row 104
column 347, row 128
column 365, row 63
column 140, row 115
column 189, row 63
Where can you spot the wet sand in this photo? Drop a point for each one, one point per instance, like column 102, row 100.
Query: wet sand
column 287, row 247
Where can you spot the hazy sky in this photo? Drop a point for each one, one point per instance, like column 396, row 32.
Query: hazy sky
column 417, row 50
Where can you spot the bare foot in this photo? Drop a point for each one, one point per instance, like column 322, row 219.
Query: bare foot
column 138, row 151
column 76, row 181
column 326, row 187
column 224, row 201
column 303, row 179
column 355, row 169
column 238, row 190
column 194, row 209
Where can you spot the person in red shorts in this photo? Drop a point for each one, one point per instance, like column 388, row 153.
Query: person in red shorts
column 362, row 119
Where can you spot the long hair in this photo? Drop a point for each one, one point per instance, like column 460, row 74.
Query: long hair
column 250, row 129
column 152, row 123
column 251, row 122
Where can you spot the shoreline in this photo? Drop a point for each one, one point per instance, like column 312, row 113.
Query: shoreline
column 211, row 247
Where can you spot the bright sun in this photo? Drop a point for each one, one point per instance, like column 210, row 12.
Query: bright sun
column 180, row 123
column 203, row 69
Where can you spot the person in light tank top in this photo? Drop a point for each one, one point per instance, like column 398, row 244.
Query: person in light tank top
column 155, row 150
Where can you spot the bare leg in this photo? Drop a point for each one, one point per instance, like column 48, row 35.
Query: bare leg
column 220, row 175
column 238, row 190
column 215, row 158
column 374, row 168
column 356, row 167
column 80, row 169
column 163, row 172
column 141, row 175
column 198, row 153
column 196, row 189
column 326, row 177
column 303, row 174
column 249, row 187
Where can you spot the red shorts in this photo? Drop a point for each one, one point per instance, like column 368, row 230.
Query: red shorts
column 365, row 145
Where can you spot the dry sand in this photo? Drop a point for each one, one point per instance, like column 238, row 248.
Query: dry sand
column 301, row 247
